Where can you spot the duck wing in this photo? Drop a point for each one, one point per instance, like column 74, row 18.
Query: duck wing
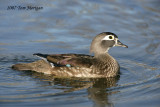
column 69, row 60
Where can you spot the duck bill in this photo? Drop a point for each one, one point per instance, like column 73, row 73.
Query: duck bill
column 121, row 44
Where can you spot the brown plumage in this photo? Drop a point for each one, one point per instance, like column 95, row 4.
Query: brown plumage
column 79, row 65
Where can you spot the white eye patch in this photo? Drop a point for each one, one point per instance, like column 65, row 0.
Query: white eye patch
column 108, row 37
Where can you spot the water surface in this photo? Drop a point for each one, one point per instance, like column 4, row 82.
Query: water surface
column 68, row 27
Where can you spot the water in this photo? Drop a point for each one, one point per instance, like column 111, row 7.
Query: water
column 68, row 27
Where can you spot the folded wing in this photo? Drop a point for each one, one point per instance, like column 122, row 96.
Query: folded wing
column 69, row 60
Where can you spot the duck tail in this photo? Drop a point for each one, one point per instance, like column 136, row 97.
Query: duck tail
column 38, row 66
column 22, row 67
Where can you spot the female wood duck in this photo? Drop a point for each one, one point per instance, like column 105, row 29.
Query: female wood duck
column 79, row 65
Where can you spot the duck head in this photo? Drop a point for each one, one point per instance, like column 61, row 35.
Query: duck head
column 104, row 41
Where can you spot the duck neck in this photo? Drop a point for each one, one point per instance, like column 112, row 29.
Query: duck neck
column 106, row 59
column 103, row 55
column 105, row 65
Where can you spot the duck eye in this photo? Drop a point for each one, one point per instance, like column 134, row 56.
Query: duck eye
column 110, row 37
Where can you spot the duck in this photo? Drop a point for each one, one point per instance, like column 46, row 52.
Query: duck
column 100, row 64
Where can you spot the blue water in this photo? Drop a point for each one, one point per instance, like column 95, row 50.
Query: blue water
column 68, row 27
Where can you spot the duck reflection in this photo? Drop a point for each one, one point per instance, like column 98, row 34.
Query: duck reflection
column 96, row 87
column 98, row 93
